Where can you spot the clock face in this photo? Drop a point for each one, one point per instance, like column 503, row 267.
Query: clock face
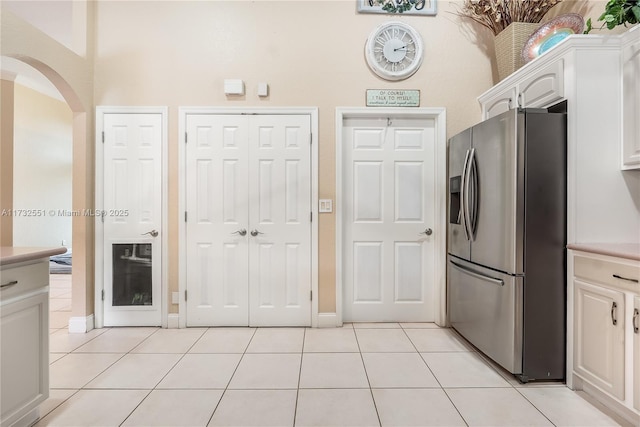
column 394, row 51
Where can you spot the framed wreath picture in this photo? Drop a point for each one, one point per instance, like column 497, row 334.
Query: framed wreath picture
column 405, row 7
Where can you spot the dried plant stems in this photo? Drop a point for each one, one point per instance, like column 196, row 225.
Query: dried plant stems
column 496, row 15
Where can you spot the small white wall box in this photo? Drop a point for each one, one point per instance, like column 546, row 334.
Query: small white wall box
column 326, row 205
column 263, row 89
column 233, row 87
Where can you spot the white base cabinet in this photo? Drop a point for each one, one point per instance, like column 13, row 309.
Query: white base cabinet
column 24, row 341
column 599, row 336
column 606, row 349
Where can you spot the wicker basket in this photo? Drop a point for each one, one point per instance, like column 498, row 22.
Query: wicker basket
column 508, row 45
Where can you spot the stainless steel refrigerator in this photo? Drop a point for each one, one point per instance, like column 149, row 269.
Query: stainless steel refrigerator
column 506, row 283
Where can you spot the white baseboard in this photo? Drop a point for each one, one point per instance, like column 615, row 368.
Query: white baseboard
column 81, row 325
column 327, row 320
column 173, row 321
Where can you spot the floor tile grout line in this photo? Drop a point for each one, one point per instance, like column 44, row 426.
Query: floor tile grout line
column 444, row 390
column 137, row 406
column 533, row 404
column 435, row 377
column 421, row 357
column 59, row 404
column 232, row 375
column 295, row 407
column 364, row 366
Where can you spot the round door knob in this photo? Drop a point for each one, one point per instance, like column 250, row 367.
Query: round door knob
column 254, row 233
column 428, row 232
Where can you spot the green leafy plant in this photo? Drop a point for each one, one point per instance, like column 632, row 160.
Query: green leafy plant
column 618, row 12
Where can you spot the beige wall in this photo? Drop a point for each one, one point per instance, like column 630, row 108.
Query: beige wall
column 6, row 161
column 177, row 53
column 42, row 169
column 310, row 52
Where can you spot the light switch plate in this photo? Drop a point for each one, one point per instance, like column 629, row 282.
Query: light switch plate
column 326, row 206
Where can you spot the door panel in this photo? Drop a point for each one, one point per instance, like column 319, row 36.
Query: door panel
column 388, row 181
column 132, row 216
column 217, row 198
column 280, row 198
column 499, row 190
column 485, row 306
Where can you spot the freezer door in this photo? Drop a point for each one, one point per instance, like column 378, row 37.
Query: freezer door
column 497, row 201
column 459, row 147
column 485, row 307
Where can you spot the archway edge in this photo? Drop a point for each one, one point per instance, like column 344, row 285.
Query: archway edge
column 65, row 89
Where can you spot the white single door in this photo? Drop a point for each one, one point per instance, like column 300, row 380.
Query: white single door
column 388, row 219
column 132, row 212
column 248, row 184
column 279, row 221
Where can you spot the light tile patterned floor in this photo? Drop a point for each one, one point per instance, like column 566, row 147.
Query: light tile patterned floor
column 390, row 374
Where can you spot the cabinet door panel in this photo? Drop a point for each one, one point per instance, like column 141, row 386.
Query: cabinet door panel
column 631, row 106
column 24, row 329
column 598, row 342
column 502, row 102
column 543, row 87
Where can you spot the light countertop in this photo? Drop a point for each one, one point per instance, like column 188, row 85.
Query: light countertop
column 621, row 250
column 12, row 255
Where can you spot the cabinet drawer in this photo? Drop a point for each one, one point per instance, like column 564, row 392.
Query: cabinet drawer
column 616, row 274
column 28, row 277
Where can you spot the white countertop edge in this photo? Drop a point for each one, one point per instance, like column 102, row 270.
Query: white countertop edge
column 12, row 255
column 621, row 250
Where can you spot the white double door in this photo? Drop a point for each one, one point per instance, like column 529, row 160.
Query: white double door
column 248, row 220
column 388, row 229
column 130, row 218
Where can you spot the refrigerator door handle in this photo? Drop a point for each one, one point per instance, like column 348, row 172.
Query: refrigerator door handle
column 475, row 196
column 466, row 175
column 463, row 195
column 477, row 275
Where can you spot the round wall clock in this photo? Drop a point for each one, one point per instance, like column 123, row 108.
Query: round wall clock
column 394, row 50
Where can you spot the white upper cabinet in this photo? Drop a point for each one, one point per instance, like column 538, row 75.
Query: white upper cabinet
column 539, row 89
column 599, row 78
column 631, row 99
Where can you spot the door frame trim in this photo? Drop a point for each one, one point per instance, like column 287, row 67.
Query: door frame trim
column 312, row 112
column 440, row 173
column 99, row 198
